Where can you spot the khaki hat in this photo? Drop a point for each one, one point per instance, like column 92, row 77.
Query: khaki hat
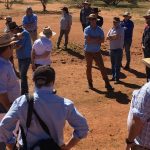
column 86, row 2
column 92, row 16
column 6, row 40
column 47, row 32
column 146, row 61
column 8, row 18
column 126, row 14
column 147, row 15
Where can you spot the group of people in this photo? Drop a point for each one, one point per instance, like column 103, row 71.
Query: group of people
column 54, row 110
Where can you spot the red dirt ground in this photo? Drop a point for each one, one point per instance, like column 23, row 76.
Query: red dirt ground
column 106, row 113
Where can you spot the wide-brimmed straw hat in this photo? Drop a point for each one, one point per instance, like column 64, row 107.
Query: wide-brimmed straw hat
column 86, row 3
column 147, row 15
column 47, row 31
column 6, row 39
column 92, row 16
column 127, row 14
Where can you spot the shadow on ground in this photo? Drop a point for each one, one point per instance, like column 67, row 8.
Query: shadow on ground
column 137, row 73
column 120, row 97
column 75, row 53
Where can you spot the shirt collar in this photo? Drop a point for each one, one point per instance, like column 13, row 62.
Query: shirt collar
column 44, row 89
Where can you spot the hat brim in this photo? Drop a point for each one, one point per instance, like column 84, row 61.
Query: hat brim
column 41, row 34
column 11, row 42
column 85, row 3
column 126, row 16
column 146, row 16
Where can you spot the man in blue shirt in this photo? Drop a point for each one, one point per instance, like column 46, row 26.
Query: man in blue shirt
column 94, row 36
column 53, row 110
column 128, row 26
column 23, row 52
column 29, row 22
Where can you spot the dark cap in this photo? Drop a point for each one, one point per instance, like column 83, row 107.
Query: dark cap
column 65, row 9
column 13, row 25
column 95, row 10
column 43, row 76
column 116, row 19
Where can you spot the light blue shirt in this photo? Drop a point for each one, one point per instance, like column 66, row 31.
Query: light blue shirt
column 93, row 32
column 52, row 109
column 32, row 19
column 9, row 83
column 26, row 46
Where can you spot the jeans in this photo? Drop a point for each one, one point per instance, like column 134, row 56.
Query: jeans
column 90, row 56
column 116, row 59
column 23, row 69
column 65, row 33
column 127, row 45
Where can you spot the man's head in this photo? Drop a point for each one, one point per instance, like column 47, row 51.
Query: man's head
column 65, row 10
column 86, row 4
column 127, row 16
column 47, row 32
column 116, row 21
column 6, row 44
column 92, row 19
column 95, row 11
column 44, row 76
column 147, row 17
column 8, row 19
column 13, row 27
column 29, row 11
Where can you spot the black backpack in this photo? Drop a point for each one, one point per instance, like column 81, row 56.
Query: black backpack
column 43, row 144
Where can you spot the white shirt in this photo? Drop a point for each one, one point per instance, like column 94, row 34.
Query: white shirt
column 118, row 43
column 41, row 46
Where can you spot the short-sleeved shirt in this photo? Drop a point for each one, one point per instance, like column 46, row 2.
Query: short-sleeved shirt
column 93, row 32
column 41, row 46
column 65, row 22
column 140, row 107
column 26, row 46
column 9, row 83
column 30, row 19
column 118, row 43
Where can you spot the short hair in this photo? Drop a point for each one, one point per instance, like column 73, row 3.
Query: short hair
column 43, row 76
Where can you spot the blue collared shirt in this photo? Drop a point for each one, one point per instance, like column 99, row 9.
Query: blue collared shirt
column 26, row 46
column 9, row 83
column 93, row 32
column 32, row 19
column 128, row 26
column 52, row 109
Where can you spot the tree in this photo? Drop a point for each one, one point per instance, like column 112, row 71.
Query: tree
column 8, row 3
column 44, row 3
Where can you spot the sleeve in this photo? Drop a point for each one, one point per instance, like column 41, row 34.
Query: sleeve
column 78, row 122
column 8, row 124
column 24, row 20
column 102, row 34
column 141, row 105
column 4, row 79
column 86, row 32
column 23, row 40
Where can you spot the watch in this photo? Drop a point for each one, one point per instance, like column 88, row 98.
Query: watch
column 129, row 142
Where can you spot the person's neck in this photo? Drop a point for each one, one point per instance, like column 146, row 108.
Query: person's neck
column 93, row 26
